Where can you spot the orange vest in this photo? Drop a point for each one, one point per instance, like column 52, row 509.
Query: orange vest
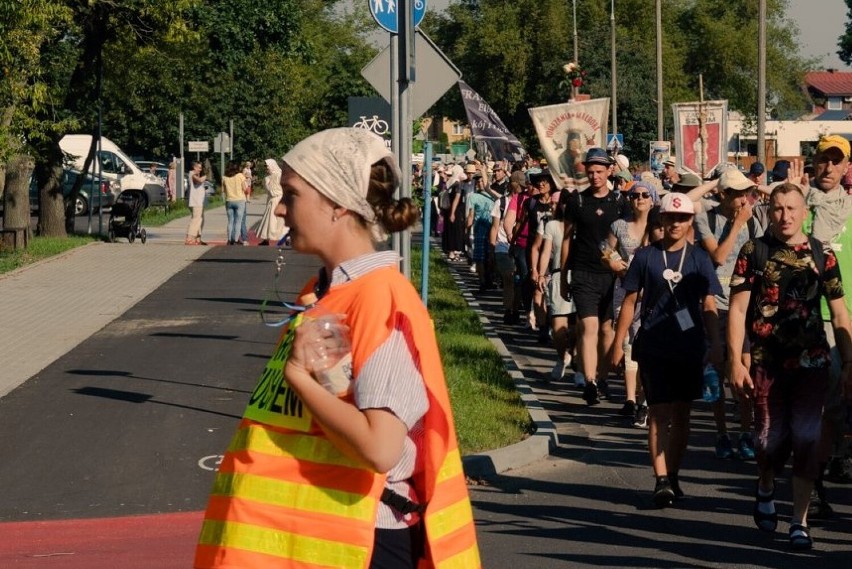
column 285, row 497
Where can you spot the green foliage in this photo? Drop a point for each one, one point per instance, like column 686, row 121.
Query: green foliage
column 844, row 42
column 486, row 406
column 512, row 54
column 41, row 248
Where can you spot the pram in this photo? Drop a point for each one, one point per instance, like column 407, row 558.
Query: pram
column 125, row 217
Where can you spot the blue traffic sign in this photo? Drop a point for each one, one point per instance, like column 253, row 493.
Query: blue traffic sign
column 614, row 141
column 385, row 13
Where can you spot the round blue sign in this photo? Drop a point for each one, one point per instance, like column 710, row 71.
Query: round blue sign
column 385, row 13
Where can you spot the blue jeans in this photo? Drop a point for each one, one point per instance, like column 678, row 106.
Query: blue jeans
column 236, row 215
column 243, row 229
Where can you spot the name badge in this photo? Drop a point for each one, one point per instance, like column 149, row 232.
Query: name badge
column 684, row 320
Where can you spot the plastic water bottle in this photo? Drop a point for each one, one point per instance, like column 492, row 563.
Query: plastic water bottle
column 328, row 352
column 711, row 384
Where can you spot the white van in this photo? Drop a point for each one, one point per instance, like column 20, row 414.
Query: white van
column 115, row 165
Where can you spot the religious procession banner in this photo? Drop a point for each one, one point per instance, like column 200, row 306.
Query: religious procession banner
column 565, row 131
column 701, row 135
column 486, row 126
column 659, row 152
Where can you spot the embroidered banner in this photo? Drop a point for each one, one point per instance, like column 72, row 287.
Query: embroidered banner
column 565, row 132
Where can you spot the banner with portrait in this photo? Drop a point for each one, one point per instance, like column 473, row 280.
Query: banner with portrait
column 488, row 128
column 659, row 152
column 565, row 131
column 701, row 135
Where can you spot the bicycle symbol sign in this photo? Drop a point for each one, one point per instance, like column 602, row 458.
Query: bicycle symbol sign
column 385, row 13
column 374, row 124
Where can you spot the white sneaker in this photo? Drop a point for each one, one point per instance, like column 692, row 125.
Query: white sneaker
column 558, row 370
column 473, row 269
column 579, row 379
column 567, row 359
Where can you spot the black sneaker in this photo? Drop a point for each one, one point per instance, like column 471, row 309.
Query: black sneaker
column 818, row 507
column 675, row 482
column 603, row 389
column 590, row 393
column 629, row 409
column 663, row 493
column 840, row 470
column 641, row 420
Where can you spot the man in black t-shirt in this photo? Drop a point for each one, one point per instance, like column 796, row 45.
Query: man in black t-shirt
column 588, row 216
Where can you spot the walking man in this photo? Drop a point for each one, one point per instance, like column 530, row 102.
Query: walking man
column 678, row 285
column 775, row 298
column 588, row 217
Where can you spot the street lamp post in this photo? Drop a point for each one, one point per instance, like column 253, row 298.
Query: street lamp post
column 761, row 83
column 576, row 49
column 660, row 119
column 614, row 80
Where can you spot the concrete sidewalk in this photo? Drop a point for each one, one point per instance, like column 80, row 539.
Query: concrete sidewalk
column 51, row 306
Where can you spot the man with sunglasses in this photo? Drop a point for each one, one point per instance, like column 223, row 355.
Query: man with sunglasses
column 722, row 230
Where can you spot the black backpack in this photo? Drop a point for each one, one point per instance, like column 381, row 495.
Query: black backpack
column 761, row 256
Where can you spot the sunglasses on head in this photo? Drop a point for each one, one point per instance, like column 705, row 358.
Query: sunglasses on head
column 637, row 195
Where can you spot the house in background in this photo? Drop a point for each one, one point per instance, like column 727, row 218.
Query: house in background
column 830, row 92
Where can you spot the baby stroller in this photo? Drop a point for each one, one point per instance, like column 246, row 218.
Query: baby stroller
column 125, row 217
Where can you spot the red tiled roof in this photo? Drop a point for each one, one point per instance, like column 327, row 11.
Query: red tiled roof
column 838, row 83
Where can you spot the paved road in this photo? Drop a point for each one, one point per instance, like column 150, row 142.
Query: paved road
column 127, row 422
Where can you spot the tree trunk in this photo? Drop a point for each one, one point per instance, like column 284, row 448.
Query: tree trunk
column 16, row 201
column 52, row 211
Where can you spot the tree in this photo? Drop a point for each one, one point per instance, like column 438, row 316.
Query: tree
column 512, row 54
column 844, row 42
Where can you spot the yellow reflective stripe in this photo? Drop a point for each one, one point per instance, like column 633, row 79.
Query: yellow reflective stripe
column 283, row 544
column 452, row 466
column 449, row 519
column 297, row 496
column 467, row 559
column 296, row 446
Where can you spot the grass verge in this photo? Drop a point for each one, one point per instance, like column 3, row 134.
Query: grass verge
column 486, row 405
column 41, row 248
column 157, row 216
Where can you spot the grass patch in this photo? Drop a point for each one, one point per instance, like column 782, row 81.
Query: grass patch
column 486, row 405
column 158, row 215
column 41, row 248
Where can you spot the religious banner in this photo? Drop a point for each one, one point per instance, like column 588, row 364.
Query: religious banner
column 565, row 131
column 659, row 152
column 486, row 126
column 701, row 135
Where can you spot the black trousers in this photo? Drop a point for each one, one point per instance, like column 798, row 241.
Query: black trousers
column 397, row 548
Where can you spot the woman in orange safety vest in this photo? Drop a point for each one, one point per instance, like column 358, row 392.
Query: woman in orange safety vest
column 367, row 473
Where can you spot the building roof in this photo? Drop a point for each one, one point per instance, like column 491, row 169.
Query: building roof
column 830, row 83
column 835, row 116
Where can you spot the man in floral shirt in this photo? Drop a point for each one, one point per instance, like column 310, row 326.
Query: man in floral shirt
column 790, row 363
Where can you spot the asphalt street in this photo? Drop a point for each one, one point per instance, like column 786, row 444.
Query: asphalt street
column 109, row 451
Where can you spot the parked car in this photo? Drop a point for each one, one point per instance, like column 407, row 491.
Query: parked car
column 115, row 166
column 162, row 172
column 89, row 195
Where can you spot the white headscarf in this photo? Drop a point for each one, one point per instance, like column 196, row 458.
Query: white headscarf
column 273, row 178
column 337, row 163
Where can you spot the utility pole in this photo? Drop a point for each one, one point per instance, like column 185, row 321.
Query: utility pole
column 761, row 83
column 614, row 127
column 660, row 118
column 576, row 49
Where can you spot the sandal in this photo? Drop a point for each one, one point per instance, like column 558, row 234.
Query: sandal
column 800, row 538
column 763, row 521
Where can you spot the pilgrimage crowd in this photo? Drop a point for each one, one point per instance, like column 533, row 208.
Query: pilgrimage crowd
column 683, row 287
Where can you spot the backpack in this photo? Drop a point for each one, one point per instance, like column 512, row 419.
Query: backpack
column 711, row 221
column 444, row 201
column 761, row 256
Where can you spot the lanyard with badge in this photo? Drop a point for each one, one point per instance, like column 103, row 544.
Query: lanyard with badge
column 684, row 320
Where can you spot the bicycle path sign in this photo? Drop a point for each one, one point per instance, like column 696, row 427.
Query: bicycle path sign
column 385, row 14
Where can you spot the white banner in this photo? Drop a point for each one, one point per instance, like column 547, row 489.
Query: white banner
column 565, row 131
column 701, row 135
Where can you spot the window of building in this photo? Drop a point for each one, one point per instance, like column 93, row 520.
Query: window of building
column 834, row 104
column 458, row 129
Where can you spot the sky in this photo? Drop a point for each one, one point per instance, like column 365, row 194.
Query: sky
column 818, row 28
column 820, row 23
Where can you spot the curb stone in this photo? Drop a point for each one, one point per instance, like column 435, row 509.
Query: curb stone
column 538, row 445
